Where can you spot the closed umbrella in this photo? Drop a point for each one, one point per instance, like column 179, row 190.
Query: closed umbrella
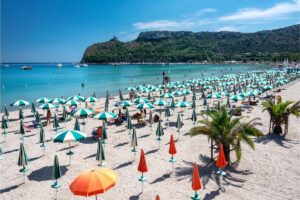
column 194, row 116
column 37, row 118
column 221, row 161
column 172, row 103
column 142, row 167
column 76, row 125
column 4, row 126
column 196, row 183
column 100, row 156
column 150, row 119
column 129, row 124
column 121, row 96
column 133, row 142
column 23, row 160
column 179, row 123
column 104, row 133
column 21, row 115
column 22, row 129
column 6, row 113
column 56, row 174
column 55, row 122
column 33, row 110
column 159, row 131
column 42, row 137
column 172, row 151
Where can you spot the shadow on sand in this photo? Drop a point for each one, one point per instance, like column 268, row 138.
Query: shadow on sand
column 45, row 173
column 277, row 139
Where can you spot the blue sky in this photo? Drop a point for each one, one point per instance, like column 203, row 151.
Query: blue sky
column 60, row 30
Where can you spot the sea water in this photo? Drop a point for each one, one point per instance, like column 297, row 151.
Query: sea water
column 47, row 80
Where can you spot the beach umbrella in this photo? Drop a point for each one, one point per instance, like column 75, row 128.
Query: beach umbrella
column 167, row 114
column 194, row 103
column 20, row 103
column 23, row 160
column 159, row 131
column 177, row 93
column 194, row 116
column 48, row 106
column 105, row 116
column 93, row 182
column 68, row 137
column 4, row 126
column 179, row 123
column 140, row 100
column 133, row 142
column 76, row 98
column 121, row 96
column 83, row 113
column 161, row 103
column 236, row 98
column 172, row 151
column 56, row 174
column 167, row 95
column 55, row 122
column 106, row 107
column 184, row 98
column 127, row 115
column 172, row 103
column 37, row 118
column 204, row 101
column 157, row 197
column 64, row 114
column 221, row 161
column 149, row 95
column 142, row 167
column 21, row 115
column 104, row 133
column 228, row 103
column 91, row 99
column 57, row 101
column 100, row 156
column 224, row 94
column 144, row 106
column 43, row 100
column 125, row 104
column 22, row 129
column 76, row 125
column 268, row 87
column 1, row 153
column 107, row 97
column 6, row 113
column 183, row 104
column 131, row 89
column 150, row 119
column 214, row 96
column 72, row 103
column 196, row 183
column 186, row 91
column 33, row 107
column 129, row 124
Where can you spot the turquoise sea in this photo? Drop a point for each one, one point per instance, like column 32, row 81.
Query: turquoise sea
column 46, row 80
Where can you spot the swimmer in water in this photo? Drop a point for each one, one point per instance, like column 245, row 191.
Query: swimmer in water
column 82, row 85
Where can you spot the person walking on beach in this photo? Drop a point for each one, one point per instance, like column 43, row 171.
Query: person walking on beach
column 48, row 117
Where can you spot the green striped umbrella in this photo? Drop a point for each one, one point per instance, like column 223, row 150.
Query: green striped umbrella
column 186, row 91
column 76, row 98
column 236, row 98
column 167, row 95
column 194, row 116
column 57, row 101
column 145, row 106
column 56, row 173
column 68, row 136
column 23, row 160
column 43, row 100
column 6, row 113
column 20, row 103
column 55, row 122
column 161, row 103
column 100, row 156
column 125, row 104
column 140, row 100
column 33, row 107
column 42, row 137
column 104, row 133
column 257, row 92
column 21, row 115
column 48, row 106
column 22, row 129
column 159, row 131
column 76, row 125
column 129, row 124
column 105, row 116
column 224, row 94
column 177, row 93
column 268, row 87
column 133, row 142
column 72, row 103
column 178, row 123
column 183, row 104
column 251, row 94
column 91, row 99
column 214, row 96
column 131, row 89
column 83, row 112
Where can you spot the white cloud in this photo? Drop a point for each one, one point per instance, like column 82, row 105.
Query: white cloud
column 228, row 28
column 158, row 24
column 278, row 10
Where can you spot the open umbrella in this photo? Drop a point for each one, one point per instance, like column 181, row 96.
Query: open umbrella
column 183, row 104
column 100, row 156
column 140, row 100
column 20, row 103
column 142, row 167
column 167, row 95
column 105, row 116
column 214, row 96
column 83, row 113
column 196, row 183
column 236, row 98
column 76, row 98
column 145, row 106
column 43, row 100
column 91, row 99
column 48, row 106
column 57, row 101
column 93, row 182
column 161, row 103
column 72, row 103
column 125, row 104
column 23, row 160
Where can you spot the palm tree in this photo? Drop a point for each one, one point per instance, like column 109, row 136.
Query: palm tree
column 280, row 112
column 222, row 128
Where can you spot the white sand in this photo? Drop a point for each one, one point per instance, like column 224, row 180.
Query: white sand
column 269, row 172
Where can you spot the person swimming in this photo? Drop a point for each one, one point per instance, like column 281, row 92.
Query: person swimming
column 82, row 85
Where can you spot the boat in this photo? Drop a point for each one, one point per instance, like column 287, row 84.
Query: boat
column 77, row 66
column 85, row 65
column 59, row 65
column 26, row 67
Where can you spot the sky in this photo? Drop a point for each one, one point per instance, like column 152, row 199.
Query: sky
column 60, row 30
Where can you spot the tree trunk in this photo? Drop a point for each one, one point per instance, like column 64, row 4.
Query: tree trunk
column 227, row 152
column 211, row 150
column 286, row 128
column 277, row 129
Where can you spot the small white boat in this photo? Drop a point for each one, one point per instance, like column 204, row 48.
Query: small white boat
column 77, row 66
column 85, row 65
column 6, row 65
column 26, row 67
column 59, row 65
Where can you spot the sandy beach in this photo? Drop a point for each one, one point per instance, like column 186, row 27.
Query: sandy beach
column 269, row 172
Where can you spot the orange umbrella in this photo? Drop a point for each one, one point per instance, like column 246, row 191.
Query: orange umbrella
column 157, row 197
column 93, row 182
column 142, row 164
column 196, row 182
column 221, row 162
column 172, row 147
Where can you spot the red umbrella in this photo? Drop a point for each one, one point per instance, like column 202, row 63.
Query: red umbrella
column 172, row 147
column 221, row 162
column 157, row 197
column 196, row 182
column 142, row 164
